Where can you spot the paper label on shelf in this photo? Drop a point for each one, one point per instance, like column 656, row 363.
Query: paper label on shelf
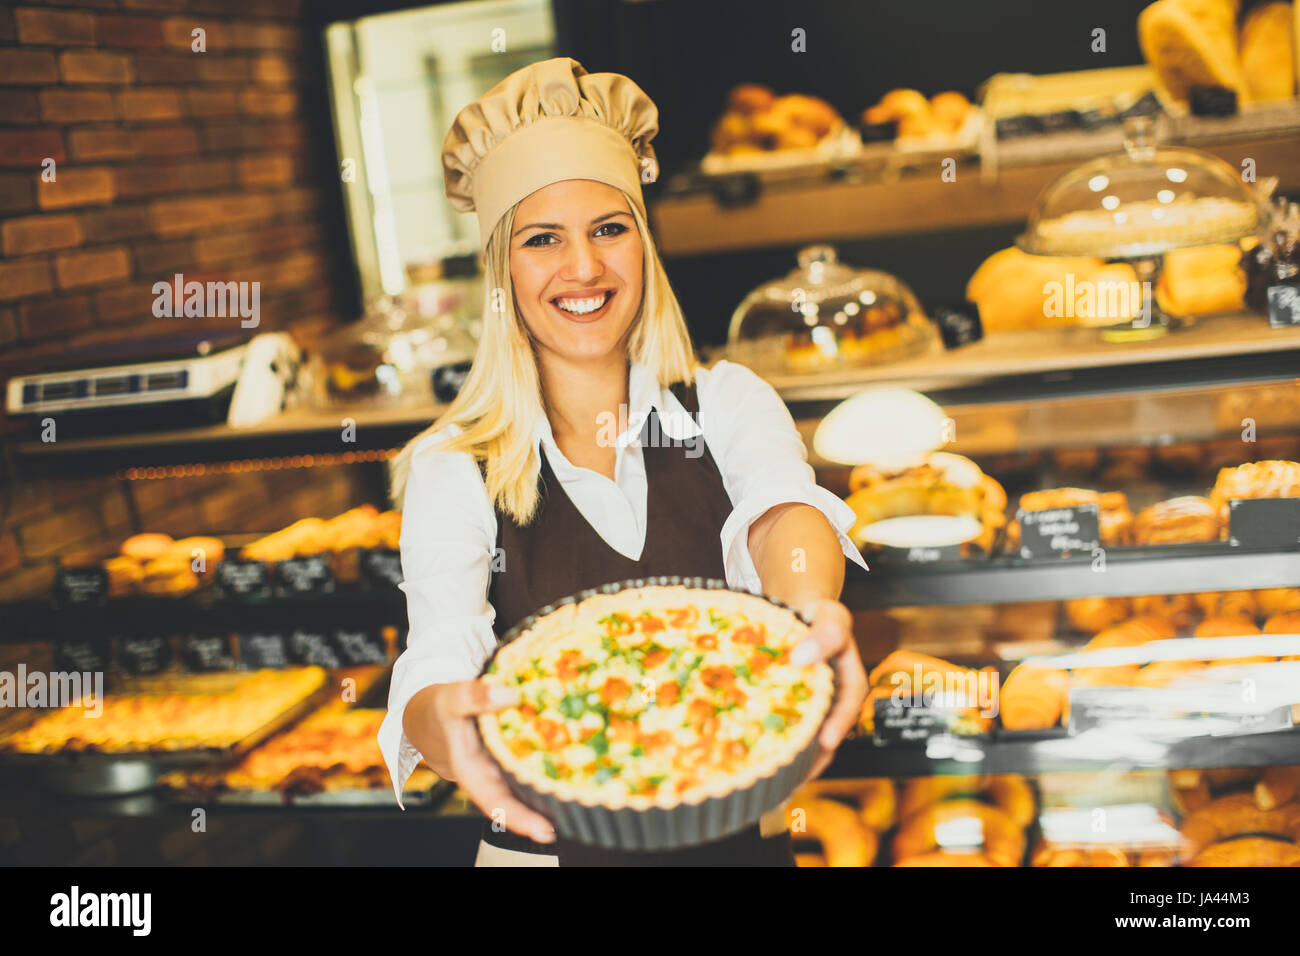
column 1059, row 531
column 1263, row 522
column 1284, row 305
column 313, row 648
column 360, row 647
column 263, row 650
column 143, row 655
column 1168, row 714
column 898, row 722
column 239, row 578
column 80, row 586
column 207, row 652
column 382, row 567
column 311, row 574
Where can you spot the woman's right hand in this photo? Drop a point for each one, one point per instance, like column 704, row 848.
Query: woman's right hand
column 439, row 722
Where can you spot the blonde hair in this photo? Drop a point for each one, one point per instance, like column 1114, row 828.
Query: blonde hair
column 501, row 402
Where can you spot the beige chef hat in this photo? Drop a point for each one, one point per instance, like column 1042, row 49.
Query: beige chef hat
column 548, row 122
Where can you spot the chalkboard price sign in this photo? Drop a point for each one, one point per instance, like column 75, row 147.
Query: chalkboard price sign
column 1059, row 531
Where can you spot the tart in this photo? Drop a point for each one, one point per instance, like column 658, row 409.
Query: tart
column 654, row 714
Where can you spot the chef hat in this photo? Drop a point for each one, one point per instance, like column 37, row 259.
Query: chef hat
column 548, row 122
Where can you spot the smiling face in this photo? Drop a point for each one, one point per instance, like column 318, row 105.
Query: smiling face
column 576, row 266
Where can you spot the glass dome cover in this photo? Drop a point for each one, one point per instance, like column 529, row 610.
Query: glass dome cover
column 826, row 314
column 1141, row 202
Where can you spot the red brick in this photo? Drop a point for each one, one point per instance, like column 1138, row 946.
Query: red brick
column 92, row 267
column 76, row 106
column 96, row 67
column 78, row 186
column 17, row 194
column 298, row 270
column 8, row 327
column 40, row 234
column 146, row 179
column 100, row 143
column 154, row 103
column 178, row 33
column 55, row 27
column 154, row 258
column 47, row 318
column 30, row 148
column 132, row 302
column 46, row 537
column 259, row 102
column 275, row 135
column 166, row 141
column 222, row 136
column 28, row 68
column 273, row 36
column 273, row 70
column 19, row 106
column 211, row 102
column 274, row 169
column 131, row 32
column 230, row 247
column 123, row 221
column 174, row 217
column 24, row 277
column 167, row 68
column 222, row 69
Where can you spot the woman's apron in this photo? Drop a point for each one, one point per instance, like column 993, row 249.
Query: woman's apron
column 560, row 554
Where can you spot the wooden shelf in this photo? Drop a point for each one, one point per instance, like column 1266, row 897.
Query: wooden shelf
column 792, row 213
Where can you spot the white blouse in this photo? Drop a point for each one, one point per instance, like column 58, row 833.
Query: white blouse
column 449, row 527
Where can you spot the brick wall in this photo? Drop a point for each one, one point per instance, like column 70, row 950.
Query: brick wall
column 215, row 164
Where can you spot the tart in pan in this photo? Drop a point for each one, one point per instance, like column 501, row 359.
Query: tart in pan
column 656, row 713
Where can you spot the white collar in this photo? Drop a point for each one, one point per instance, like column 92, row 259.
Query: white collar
column 644, row 393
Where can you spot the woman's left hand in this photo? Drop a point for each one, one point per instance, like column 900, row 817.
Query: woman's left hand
column 831, row 639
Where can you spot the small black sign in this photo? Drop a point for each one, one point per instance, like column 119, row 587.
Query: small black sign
column 313, row 647
column 1284, row 305
column 1263, row 522
column 143, row 655
column 245, row 579
column 899, row 722
column 311, row 574
column 263, row 650
column 958, row 324
column 921, row 555
column 80, row 586
column 83, row 654
column 1059, row 531
column 206, row 652
column 382, row 567
column 360, row 647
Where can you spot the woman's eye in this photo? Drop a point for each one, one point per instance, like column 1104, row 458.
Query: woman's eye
column 537, row 240
column 616, row 229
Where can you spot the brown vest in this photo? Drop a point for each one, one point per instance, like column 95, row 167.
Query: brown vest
column 559, row 554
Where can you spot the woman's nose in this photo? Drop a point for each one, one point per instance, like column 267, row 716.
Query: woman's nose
column 583, row 262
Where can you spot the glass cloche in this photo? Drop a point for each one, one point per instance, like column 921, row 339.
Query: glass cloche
column 1141, row 202
column 826, row 315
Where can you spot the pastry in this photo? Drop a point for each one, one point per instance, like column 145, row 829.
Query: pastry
column 748, row 98
column 1202, row 280
column 1178, row 609
column 1273, row 601
column 1097, row 613
column 951, row 858
column 651, row 698
column 1114, row 519
column 1010, row 792
column 1277, row 786
column 1260, row 479
column 950, row 110
column 1000, row 839
column 895, row 675
column 1249, row 851
column 1230, row 626
column 1160, row 673
column 876, row 798
column 1236, row 814
column 1267, row 52
column 1033, row 698
column 124, row 575
column 1192, row 43
column 1008, row 288
column 843, row 838
column 145, row 547
column 1048, row 854
column 1177, row 520
column 1228, row 604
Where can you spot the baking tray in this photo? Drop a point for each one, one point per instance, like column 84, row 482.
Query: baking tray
column 101, row 773
column 685, row 824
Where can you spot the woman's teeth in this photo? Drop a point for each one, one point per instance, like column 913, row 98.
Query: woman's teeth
column 583, row 306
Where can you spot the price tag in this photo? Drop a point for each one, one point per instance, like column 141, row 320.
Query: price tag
column 263, row 650
column 1283, row 305
column 1263, row 522
column 84, row 655
column 360, row 647
column 206, row 652
column 1059, row 531
column 382, row 567
column 951, row 552
column 80, row 586
column 143, row 655
column 245, row 579
column 313, row 647
column 307, row 575
column 898, row 722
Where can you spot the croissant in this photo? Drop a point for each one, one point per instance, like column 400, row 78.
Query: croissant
column 1097, row 613
column 1003, row 841
column 1248, row 851
column 1230, row 626
column 1033, row 698
column 845, row 841
column 876, row 798
column 1010, row 792
column 1234, row 815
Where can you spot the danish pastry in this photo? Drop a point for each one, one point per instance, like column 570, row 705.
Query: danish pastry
column 1177, row 520
column 1259, row 479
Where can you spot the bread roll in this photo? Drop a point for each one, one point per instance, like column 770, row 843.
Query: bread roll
column 1267, row 53
column 146, row 547
column 1097, row 613
column 1192, row 43
column 1202, row 281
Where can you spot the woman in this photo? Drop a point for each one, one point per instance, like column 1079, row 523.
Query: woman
column 586, row 447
